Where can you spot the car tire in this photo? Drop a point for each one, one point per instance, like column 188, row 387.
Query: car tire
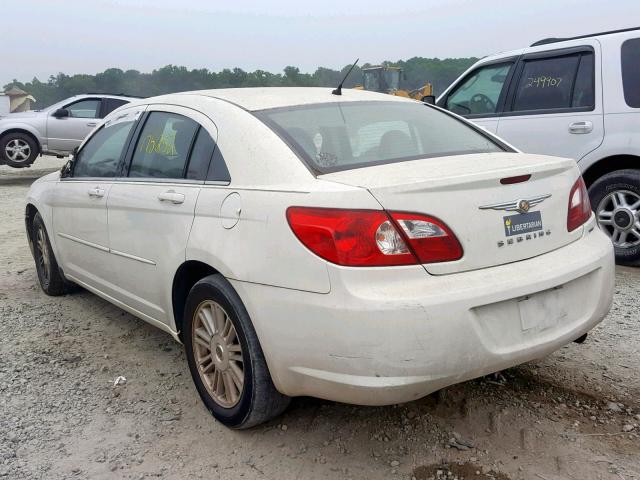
column 18, row 150
column 225, row 358
column 51, row 279
column 615, row 199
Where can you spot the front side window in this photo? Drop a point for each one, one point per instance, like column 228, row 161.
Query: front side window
column 85, row 109
column 479, row 93
column 100, row 156
column 556, row 83
column 110, row 104
column 631, row 72
column 163, row 146
column 341, row 136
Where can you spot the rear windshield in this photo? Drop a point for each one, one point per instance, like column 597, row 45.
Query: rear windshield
column 333, row 136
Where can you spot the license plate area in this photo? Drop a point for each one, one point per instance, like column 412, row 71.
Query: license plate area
column 522, row 223
column 542, row 310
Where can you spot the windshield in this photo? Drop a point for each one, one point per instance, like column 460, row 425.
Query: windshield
column 331, row 137
column 379, row 80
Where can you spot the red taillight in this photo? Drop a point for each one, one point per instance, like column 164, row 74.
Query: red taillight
column 430, row 238
column 579, row 205
column 368, row 238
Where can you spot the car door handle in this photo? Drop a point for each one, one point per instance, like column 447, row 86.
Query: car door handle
column 581, row 127
column 91, row 124
column 171, row 196
column 96, row 192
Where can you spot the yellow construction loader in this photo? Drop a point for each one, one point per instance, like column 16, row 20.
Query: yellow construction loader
column 386, row 79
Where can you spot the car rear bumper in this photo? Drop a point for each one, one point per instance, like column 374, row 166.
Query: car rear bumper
column 391, row 335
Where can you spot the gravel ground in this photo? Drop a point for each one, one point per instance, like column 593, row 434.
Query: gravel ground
column 575, row 414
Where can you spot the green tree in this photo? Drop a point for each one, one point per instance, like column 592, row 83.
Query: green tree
column 173, row 78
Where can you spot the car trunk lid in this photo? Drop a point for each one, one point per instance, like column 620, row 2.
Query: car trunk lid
column 466, row 193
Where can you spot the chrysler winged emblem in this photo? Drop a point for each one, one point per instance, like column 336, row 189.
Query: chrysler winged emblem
column 522, row 205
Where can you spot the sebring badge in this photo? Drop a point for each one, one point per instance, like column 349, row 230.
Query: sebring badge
column 522, row 205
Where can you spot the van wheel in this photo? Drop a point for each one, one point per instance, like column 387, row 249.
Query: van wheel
column 615, row 198
column 225, row 358
column 51, row 280
column 18, row 149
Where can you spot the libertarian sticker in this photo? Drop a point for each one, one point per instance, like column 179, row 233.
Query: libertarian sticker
column 522, row 223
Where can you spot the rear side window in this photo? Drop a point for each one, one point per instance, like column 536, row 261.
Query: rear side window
column 200, row 156
column 163, row 146
column 563, row 82
column 341, row 136
column 631, row 72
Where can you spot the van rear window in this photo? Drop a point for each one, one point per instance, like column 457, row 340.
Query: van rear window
column 631, row 72
column 340, row 136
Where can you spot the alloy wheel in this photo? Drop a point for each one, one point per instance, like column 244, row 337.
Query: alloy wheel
column 43, row 254
column 618, row 215
column 17, row 150
column 218, row 353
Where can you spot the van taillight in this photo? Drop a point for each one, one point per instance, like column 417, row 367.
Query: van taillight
column 370, row 238
column 579, row 206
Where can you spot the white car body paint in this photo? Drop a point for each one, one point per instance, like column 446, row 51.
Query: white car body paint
column 614, row 124
column 375, row 335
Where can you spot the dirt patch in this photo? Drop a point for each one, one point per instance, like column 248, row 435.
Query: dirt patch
column 456, row 471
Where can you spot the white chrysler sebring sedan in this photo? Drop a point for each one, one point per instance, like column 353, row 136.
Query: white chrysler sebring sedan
column 360, row 247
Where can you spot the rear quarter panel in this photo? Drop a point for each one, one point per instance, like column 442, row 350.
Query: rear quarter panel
column 260, row 247
column 266, row 179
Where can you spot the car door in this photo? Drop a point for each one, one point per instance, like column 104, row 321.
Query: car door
column 552, row 107
column 151, row 207
column 480, row 94
column 79, row 204
column 64, row 133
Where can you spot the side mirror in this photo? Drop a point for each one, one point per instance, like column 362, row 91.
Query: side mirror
column 61, row 113
column 430, row 99
column 67, row 169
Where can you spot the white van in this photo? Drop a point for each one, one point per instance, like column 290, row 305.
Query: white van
column 571, row 97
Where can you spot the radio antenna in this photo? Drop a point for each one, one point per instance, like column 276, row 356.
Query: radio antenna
column 338, row 90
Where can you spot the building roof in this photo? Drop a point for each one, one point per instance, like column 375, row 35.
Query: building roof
column 15, row 91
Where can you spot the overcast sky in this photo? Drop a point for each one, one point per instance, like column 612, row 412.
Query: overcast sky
column 42, row 38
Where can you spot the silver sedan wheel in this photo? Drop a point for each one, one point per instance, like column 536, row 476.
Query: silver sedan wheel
column 43, row 257
column 17, row 150
column 218, row 354
column 618, row 215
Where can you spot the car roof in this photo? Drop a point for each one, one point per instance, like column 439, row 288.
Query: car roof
column 547, row 41
column 552, row 44
column 263, row 98
column 102, row 95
